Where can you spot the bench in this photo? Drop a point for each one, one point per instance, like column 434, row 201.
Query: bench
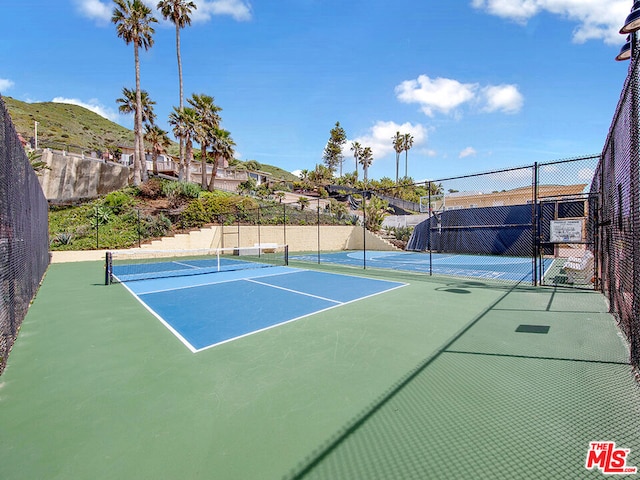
column 579, row 269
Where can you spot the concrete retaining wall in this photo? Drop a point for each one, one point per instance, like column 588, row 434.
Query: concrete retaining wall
column 299, row 238
column 71, row 177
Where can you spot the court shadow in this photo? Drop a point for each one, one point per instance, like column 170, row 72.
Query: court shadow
column 453, row 290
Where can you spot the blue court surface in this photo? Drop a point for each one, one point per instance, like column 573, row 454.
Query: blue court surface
column 210, row 309
column 479, row 266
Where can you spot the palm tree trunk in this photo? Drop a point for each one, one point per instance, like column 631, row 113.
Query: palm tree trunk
column 188, row 156
column 137, row 124
column 214, row 172
column 406, row 163
column 203, row 160
column 154, row 158
column 142, row 164
column 182, row 160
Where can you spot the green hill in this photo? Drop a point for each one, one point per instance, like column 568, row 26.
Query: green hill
column 74, row 128
column 64, row 125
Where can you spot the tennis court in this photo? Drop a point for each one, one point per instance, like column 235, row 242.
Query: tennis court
column 436, row 379
column 247, row 301
column 458, row 265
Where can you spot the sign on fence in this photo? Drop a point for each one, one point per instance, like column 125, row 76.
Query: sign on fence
column 566, row 231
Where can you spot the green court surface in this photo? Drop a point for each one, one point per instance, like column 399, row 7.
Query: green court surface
column 443, row 378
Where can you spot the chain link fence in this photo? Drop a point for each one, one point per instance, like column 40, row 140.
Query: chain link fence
column 24, row 240
column 615, row 226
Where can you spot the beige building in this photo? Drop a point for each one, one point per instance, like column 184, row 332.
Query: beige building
column 517, row 196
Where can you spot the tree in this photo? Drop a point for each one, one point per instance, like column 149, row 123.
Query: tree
column 303, row 202
column 222, row 146
column 133, row 21
column 127, row 104
column 332, row 155
column 178, row 11
column 366, row 159
column 376, row 210
column 159, row 142
column 356, row 148
column 398, row 146
column 207, row 119
column 407, row 143
column 183, row 123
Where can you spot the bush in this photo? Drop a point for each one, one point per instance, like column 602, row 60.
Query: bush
column 402, row 233
column 151, row 188
column 117, row 201
column 157, row 226
column 194, row 215
column 177, row 191
column 63, row 238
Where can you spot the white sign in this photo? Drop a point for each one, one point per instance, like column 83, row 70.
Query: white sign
column 566, row 231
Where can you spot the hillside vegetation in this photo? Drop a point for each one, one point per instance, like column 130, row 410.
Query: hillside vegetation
column 62, row 124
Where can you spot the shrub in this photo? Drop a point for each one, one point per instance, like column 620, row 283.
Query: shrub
column 157, row 226
column 63, row 238
column 194, row 215
column 175, row 191
column 151, row 188
column 402, row 233
column 99, row 216
column 117, row 201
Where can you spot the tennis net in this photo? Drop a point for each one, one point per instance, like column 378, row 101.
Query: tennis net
column 128, row 266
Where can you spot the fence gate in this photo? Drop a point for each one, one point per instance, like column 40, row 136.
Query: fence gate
column 566, row 254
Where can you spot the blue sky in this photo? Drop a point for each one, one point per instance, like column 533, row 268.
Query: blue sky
column 480, row 84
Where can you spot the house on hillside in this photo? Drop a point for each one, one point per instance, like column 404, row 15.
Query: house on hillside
column 227, row 178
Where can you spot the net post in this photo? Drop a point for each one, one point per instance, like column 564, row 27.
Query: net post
column 286, row 255
column 108, row 268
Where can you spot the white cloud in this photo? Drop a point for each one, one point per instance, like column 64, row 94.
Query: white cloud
column 95, row 9
column 503, row 98
column 93, row 105
column 380, row 135
column 102, row 11
column 445, row 95
column 238, row 9
column 596, row 19
column 5, row 84
column 442, row 94
column 586, row 174
column 468, row 152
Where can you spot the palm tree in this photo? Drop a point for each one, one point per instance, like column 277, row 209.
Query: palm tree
column 366, row 159
column 356, row 148
column 207, row 119
column 159, row 141
column 407, row 143
column 222, row 144
column 183, row 123
column 178, row 11
column 398, row 146
column 127, row 104
column 133, row 21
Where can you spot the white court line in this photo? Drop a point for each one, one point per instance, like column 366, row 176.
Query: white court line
column 339, row 304
column 294, row 291
column 162, row 320
column 196, row 350
column 186, row 265
column 204, row 284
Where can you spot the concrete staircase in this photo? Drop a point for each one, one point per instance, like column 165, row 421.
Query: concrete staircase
column 385, row 240
column 194, row 240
